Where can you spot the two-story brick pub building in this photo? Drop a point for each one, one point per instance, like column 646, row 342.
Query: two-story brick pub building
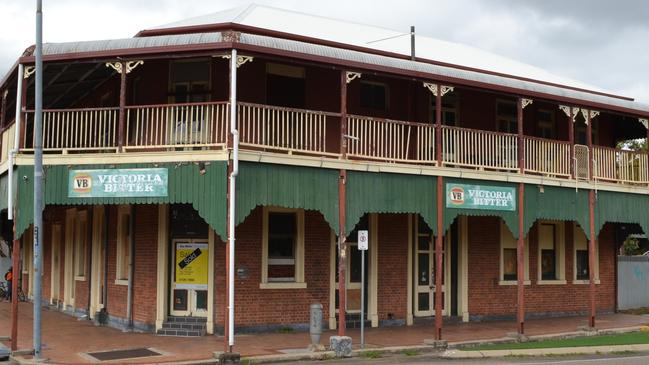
column 490, row 188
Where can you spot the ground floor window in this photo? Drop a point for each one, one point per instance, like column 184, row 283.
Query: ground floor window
column 282, row 248
column 582, row 264
column 551, row 252
column 508, row 257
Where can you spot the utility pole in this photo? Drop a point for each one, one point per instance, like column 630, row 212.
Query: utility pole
column 38, row 180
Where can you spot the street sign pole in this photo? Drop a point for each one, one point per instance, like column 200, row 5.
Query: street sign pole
column 362, row 245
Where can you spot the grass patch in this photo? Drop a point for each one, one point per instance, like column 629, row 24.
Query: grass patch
column 286, row 330
column 411, row 352
column 632, row 338
column 641, row 310
column 371, row 354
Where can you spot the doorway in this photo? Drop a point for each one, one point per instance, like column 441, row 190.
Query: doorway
column 190, row 263
column 189, row 285
column 424, row 268
column 55, row 283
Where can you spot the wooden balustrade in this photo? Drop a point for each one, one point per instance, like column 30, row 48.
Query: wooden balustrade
column 547, row 157
column 389, row 140
column 177, row 125
column 617, row 165
column 285, row 129
column 279, row 129
column 89, row 129
column 479, row 149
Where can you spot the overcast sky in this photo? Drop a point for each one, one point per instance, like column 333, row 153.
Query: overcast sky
column 600, row 42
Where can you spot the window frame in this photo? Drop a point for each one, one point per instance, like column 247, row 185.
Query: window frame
column 123, row 248
column 510, row 121
column 576, row 247
column 507, row 241
column 385, row 86
column 172, row 95
column 560, row 253
column 454, row 97
column 299, row 282
column 80, row 247
column 546, row 124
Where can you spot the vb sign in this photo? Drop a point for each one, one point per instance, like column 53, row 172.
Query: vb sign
column 363, row 239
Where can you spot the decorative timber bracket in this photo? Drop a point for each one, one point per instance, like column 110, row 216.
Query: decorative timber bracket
column 351, row 76
column 241, row 60
column 644, row 122
column 29, row 70
column 568, row 110
column 130, row 66
column 433, row 88
column 589, row 114
column 526, row 102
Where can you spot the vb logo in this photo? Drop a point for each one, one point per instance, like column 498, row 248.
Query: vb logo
column 457, row 195
column 82, row 183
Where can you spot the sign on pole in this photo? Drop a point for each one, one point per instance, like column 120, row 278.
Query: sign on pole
column 362, row 240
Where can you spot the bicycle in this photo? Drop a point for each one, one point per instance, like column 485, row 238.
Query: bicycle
column 3, row 292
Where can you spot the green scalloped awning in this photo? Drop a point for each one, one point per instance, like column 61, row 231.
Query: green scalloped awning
column 615, row 207
column 374, row 192
column 206, row 191
column 260, row 184
column 556, row 203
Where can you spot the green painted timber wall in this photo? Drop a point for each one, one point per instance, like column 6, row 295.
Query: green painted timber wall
column 369, row 192
column 206, row 192
column 285, row 186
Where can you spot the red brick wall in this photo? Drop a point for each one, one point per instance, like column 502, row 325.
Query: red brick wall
column 392, row 266
column 487, row 298
column 258, row 307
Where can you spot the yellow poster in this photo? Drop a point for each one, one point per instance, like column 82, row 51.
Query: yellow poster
column 191, row 265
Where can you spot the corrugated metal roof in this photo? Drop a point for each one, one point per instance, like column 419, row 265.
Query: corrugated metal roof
column 130, row 43
column 374, row 37
column 433, row 70
column 339, row 54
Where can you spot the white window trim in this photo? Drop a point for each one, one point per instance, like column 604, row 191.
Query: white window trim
column 122, row 210
column 560, row 264
column 299, row 282
column 506, row 236
column 576, row 228
column 82, row 216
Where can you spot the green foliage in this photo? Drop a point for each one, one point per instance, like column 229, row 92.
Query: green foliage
column 633, row 145
column 630, row 338
column 631, row 246
column 286, row 330
column 411, row 352
column 371, row 354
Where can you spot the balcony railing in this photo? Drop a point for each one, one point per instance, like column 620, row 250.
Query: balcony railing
column 315, row 133
column 171, row 126
column 547, row 157
column 66, row 130
column 479, row 149
column 285, row 129
column 390, row 140
column 615, row 165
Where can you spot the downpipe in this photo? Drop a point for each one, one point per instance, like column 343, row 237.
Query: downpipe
column 233, row 179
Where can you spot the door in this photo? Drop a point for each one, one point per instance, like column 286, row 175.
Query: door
column 56, row 264
column 424, row 272
column 189, row 277
column 353, row 280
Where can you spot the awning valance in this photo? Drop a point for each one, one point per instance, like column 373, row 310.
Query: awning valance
column 206, row 190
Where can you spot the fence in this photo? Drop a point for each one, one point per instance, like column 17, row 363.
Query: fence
column 632, row 279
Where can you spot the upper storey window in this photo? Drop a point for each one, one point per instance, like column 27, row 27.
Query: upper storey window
column 374, row 95
column 506, row 116
column 449, row 109
column 189, row 81
column 545, row 124
column 285, row 85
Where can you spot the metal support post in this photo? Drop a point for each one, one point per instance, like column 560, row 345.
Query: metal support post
column 520, row 261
